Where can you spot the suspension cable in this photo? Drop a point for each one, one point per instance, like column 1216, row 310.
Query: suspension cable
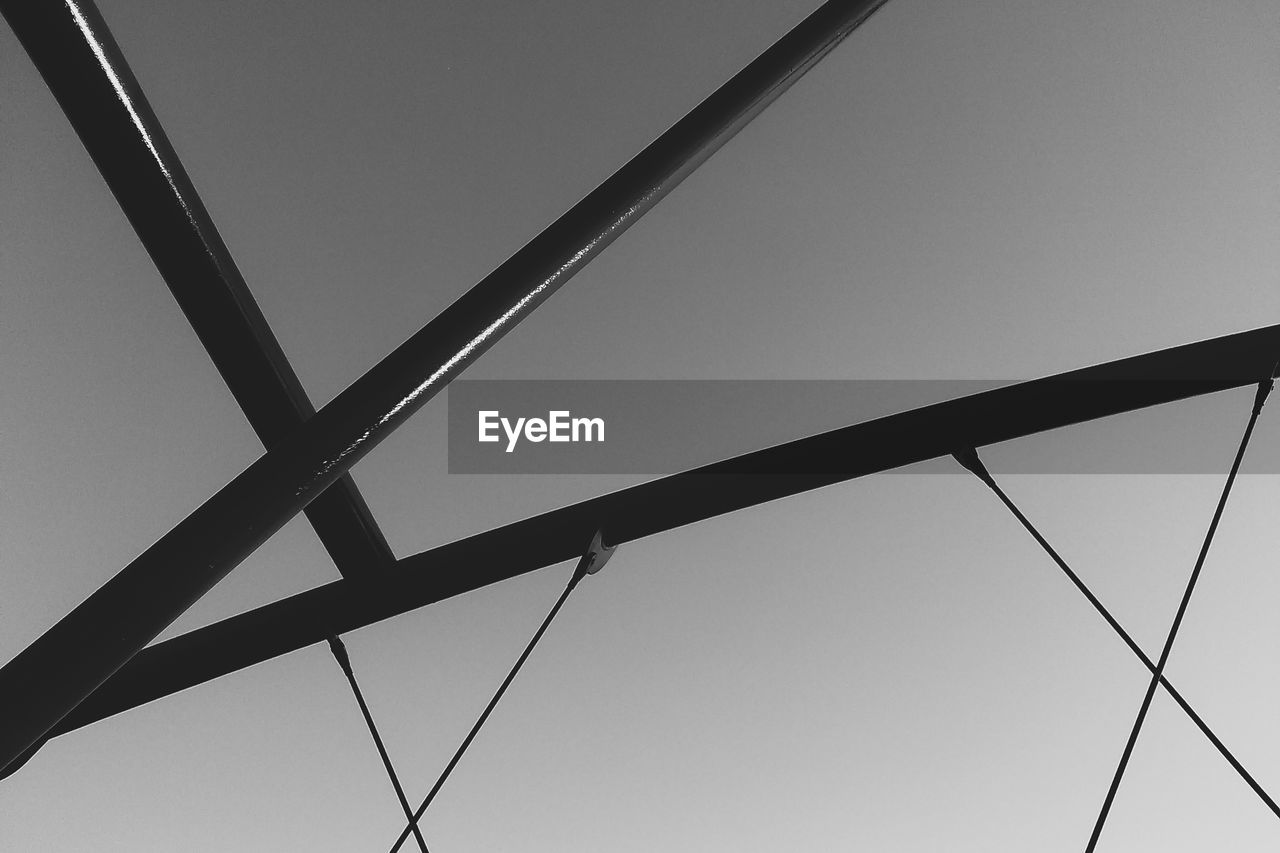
column 970, row 460
column 340, row 654
column 1264, row 388
column 592, row 561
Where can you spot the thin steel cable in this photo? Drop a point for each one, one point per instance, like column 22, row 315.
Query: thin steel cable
column 969, row 459
column 1264, row 388
column 578, row 574
column 340, row 654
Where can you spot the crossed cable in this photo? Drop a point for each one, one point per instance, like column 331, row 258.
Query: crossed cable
column 597, row 554
column 968, row 457
column 592, row 561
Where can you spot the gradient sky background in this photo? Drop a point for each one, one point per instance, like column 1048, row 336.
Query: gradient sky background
column 974, row 189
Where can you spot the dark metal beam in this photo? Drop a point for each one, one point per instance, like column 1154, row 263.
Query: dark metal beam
column 56, row 672
column 664, row 504
column 84, row 68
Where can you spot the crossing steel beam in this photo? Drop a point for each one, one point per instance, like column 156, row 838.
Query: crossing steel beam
column 879, row 445
column 55, row 673
column 84, row 68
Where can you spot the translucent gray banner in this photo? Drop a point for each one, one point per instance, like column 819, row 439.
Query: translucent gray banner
column 658, row 427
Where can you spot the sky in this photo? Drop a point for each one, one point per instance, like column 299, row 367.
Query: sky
column 971, row 190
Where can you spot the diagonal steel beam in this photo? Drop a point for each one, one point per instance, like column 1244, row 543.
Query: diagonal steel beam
column 56, row 672
column 84, row 68
column 664, row 504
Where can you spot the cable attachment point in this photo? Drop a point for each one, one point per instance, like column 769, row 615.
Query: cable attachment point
column 968, row 457
column 594, row 558
column 1264, row 388
column 340, row 653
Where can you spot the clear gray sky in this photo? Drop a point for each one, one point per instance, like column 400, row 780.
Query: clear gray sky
column 973, row 189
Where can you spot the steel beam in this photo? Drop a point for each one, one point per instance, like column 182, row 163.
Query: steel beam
column 84, row 68
column 664, row 504
column 56, row 672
